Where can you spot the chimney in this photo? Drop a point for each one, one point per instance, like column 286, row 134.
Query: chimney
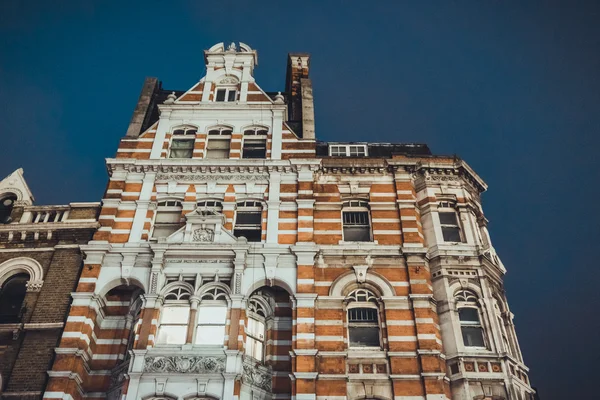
column 143, row 107
column 301, row 109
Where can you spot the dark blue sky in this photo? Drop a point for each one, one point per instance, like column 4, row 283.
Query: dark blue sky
column 512, row 88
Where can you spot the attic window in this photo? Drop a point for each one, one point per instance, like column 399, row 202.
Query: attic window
column 349, row 150
column 226, row 95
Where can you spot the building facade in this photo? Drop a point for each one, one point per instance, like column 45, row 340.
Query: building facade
column 40, row 263
column 239, row 258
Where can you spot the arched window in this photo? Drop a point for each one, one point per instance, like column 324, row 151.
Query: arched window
column 7, row 203
column 248, row 220
column 218, row 142
column 212, row 316
column 182, row 143
column 255, row 143
column 356, row 221
column 469, row 317
column 12, row 295
column 174, row 315
column 168, row 218
column 449, row 222
column 363, row 319
column 256, row 329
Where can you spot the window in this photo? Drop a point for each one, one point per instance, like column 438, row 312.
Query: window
column 255, row 330
column 468, row 315
column 339, row 150
column 12, row 295
column 211, row 323
column 182, row 143
column 449, row 222
column 248, row 220
column 168, row 218
column 255, row 143
column 356, row 221
column 229, row 95
column 363, row 319
column 6, row 206
column 219, row 141
column 174, row 316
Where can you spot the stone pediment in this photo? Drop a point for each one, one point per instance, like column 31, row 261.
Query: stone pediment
column 203, row 226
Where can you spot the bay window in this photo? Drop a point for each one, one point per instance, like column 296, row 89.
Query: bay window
column 256, row 329
column 449, row 222
column 469, row 318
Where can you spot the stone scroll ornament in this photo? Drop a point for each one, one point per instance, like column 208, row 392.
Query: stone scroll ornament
column 184, row 364
column 257, row 377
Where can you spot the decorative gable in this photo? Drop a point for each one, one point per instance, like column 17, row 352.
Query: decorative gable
column 203, row 226
column 15, row 184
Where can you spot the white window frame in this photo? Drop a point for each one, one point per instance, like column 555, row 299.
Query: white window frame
column 255, row 134
column 166, row 206
column 346, row 150
column 369, row 302
column 450, row 207
column 227, row 90
column 204, row 304
column 249, row 206
column 357, row 205
column 218, row 136
column 183, row 134
column 254, row 311
column 468, row 299
column 210, row 204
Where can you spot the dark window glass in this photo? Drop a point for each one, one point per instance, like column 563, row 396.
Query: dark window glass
column 362, row 315
column 12, row 295
column 248, row 218
column 6, row 206
column 451, row 234
column 231, row 95
column 221, row 95
column 364, row 336
column 356, row 226
column 448, row 218
column 468, row 314
column 472, row 336
column 253, row 235
column 254, row 148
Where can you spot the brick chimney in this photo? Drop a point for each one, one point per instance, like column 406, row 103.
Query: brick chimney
column 301, row 109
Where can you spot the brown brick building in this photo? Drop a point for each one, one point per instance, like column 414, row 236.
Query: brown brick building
column 240, row 258
column 40, row 264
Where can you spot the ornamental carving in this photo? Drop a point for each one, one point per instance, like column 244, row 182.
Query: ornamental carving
column 203, row 235
column 211, row 177
column 229, row 80
column 185, row 364
column 34, row 286
column 257, row 376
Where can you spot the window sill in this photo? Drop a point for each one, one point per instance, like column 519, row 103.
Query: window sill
column 358, row 242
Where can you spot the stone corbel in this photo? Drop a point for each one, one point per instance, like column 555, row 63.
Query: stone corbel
column 161, row 384
column 34, row 286
column 270, row 265
column 127, row 267
column 361, row 272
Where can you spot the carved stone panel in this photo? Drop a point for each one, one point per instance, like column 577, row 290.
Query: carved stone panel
column 185, row 364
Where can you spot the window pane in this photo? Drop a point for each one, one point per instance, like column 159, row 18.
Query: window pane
column 356, row 218
column 448, row 218
column 254, row 149
column 248, row 218
column 468, row 314
column 254, row 348
column 11, row 298
column 253, row 235
column 168, row 216
column 357, row 234
column 212, row 315
column 364, row 336
column 362, row 315
column 164, row 230
column 221, row 95
column 172, row 334
column 472, row 336
column 174, row 315
column 231, row 95
column 210, row 334
column 218, row 144
column 217, row 154
column 256, row 328
column 451, row 234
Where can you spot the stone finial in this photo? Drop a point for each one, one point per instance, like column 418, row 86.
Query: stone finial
column 232, row 47
column 171, row 98
column 279, row 98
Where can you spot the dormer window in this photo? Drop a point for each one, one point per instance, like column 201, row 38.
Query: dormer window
column 255, row 143
column 219, row 142
column 348, row 150
column 182, row 143
column 226, row 95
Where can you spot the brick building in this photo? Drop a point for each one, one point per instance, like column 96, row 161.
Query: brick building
column 239, row 258
column 40, row 263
